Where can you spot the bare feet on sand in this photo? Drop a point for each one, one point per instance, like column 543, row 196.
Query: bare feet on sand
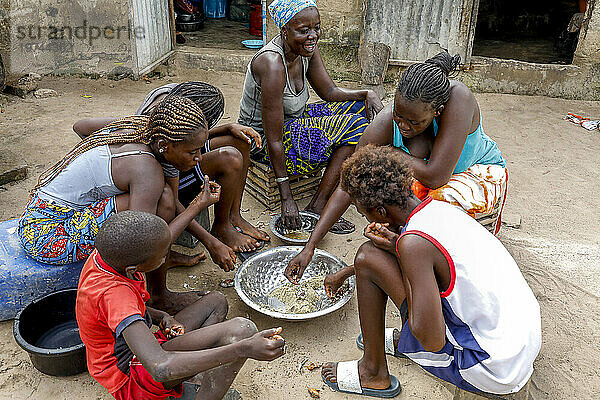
column 183, row 260
column 372, row 378
column 239, row 242
column 249, row 229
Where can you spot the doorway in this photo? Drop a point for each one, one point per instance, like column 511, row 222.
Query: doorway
column 537, row 31
column 218, row 24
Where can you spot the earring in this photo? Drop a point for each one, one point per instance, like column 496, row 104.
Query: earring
column 161, row 150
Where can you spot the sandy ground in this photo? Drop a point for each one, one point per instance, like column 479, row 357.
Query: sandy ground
column 553, row 189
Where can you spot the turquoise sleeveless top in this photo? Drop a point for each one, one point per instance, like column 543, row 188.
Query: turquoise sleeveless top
column 478, row 148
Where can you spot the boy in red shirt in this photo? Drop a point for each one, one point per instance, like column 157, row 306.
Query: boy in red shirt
column 123, row 355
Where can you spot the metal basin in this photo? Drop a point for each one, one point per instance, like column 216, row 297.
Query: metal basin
column 309, row 221
column 259, row 275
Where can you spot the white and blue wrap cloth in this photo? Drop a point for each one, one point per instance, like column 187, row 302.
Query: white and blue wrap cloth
column 282, row 11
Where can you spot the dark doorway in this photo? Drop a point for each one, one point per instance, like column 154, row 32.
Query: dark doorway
column 539, row 31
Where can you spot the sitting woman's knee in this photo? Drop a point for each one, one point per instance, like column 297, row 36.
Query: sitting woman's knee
column 241, row 328
column 166, row 204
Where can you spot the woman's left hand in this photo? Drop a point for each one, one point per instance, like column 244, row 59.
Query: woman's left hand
column 171, row 327
column 372, row 104
column 246, row 133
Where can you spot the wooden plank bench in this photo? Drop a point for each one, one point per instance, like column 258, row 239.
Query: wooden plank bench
column 261, row 185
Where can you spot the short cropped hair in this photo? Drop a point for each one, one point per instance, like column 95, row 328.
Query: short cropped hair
column 376, row 176
column 128, row 237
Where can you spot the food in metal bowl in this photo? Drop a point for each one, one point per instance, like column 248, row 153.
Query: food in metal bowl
column 260, row 283
column 301, row 236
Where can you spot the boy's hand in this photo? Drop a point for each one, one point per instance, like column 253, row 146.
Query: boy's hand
column 222, row 255
column 333, row 282
column 246, row 133
column 381, row 236
column 266, row 345
column 171, row 327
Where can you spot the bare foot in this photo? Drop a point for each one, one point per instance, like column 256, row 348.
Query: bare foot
column 234, row 239
column 183, row 260
column 173, row 302
column 249, row 229
column 368, row 380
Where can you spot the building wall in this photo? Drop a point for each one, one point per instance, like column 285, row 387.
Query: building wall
column 58, row 36
column 587, row 55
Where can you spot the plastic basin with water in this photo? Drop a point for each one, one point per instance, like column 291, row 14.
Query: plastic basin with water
column 48, row 331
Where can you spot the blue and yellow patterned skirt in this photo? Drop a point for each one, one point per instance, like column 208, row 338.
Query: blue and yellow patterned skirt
column 309, row 141
column 55, row 234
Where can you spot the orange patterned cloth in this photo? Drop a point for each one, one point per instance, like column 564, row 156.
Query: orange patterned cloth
column 480, row 191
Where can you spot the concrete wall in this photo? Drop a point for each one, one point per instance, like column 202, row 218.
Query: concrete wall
column 73, row 36
column 587, row 55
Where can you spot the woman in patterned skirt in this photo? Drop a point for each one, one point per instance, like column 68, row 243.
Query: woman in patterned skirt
column 302, row 138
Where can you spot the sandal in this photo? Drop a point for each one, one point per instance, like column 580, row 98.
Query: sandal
column 342, row 231
column 348, row 381
column 390, row 349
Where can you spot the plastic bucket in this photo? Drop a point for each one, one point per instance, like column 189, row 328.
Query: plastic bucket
column 215, row 8
column 48, row 331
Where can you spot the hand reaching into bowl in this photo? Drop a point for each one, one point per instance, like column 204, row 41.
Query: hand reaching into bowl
column 333, row 282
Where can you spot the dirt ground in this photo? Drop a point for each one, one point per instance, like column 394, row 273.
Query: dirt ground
column 553, row 189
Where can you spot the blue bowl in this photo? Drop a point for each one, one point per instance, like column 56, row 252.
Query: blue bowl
column 252, row 43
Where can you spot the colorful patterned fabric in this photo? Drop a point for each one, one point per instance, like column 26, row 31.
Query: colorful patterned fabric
column 480, row 191
column 282, row 11
column 309, row 141
column 58, row 235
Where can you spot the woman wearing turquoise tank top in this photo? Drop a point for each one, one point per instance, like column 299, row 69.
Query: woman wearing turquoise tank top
column 436, row 125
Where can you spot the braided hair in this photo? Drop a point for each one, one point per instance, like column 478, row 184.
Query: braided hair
column 175, row 119
column 428, row 81
column 208, row 97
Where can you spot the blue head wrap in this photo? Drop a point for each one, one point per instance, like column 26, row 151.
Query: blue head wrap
column 282, row 11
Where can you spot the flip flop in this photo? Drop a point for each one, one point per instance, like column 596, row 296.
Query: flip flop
column 390, row 349
column 348, row 381
column 340, row 231
column 237, row 228
column 244, row 255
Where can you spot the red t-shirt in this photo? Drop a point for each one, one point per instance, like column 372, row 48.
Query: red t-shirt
column 104, row 300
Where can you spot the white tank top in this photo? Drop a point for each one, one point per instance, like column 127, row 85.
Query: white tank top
column 85, row 180
column 487, row 293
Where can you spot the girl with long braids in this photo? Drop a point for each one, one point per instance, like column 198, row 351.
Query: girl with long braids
column 226, row 158
column 435, row 124
column 115, row 169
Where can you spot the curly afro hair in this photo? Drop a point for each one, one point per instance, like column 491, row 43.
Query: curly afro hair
column 376, row 176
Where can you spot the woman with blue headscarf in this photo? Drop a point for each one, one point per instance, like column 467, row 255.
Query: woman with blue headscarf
column 302, row 138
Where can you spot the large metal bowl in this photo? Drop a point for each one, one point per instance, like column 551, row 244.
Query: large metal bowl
column 309, row 221
column 262, row 273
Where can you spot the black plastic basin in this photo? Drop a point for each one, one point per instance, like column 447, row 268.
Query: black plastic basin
column 48, row 331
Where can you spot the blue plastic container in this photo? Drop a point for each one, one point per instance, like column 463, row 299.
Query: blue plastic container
column 23, row 279
column 215, row 8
